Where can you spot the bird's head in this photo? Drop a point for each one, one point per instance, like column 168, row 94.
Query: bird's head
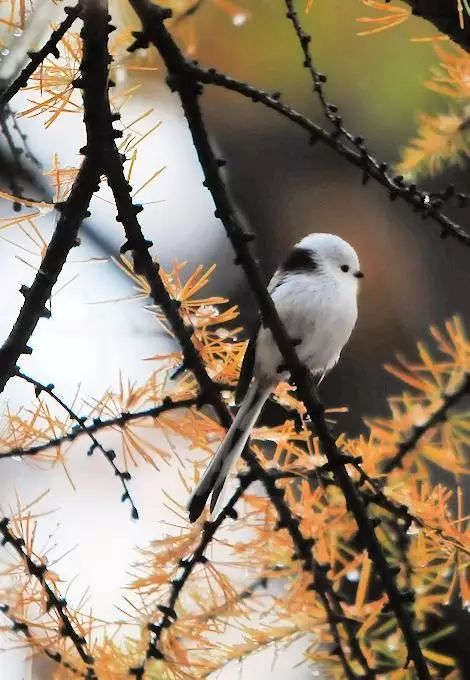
column 324, row 254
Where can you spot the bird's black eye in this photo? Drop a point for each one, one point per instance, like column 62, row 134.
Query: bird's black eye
column 345, row 268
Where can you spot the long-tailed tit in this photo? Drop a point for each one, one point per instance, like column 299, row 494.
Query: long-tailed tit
column 315, row 294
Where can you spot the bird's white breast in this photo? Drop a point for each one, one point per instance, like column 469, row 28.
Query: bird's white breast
column 321, row 311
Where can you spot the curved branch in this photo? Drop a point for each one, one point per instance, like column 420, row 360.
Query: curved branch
column 64, row 238
column 421, row 201
column 109, row 454
column 72, row 212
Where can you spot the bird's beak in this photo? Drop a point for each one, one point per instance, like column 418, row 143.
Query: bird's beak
column 359, row 275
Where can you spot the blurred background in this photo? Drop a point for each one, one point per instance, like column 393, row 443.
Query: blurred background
column 283, row 187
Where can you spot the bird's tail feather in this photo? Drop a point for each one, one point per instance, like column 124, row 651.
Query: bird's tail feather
column 218, row 471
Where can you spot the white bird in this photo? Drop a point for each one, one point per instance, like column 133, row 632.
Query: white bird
column 315, row 294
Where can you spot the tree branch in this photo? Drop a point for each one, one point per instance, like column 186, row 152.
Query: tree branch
column 64, row 238
column 18, row 626
column 377, row 497
column 98, row 424
column 38, row 570
column 36, row 58
column 418, row 431
column 168, row 612
column 109, row 454
column 421, row 201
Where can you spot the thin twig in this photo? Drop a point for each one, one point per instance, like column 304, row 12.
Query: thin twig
column 332, row 114
column 421, row 201
column 189, row 12
column 18, row 626
column 99, row 424
column 418, row 431
column 330, row 110
column 398, row 511
column 38, row 570
column 37, row 58
column 187, row 566
column 109, row 454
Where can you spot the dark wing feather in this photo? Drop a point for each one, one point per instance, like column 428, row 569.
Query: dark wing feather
column 246, row 371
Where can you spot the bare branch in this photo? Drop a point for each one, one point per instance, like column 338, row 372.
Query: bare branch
column 422, row 202
column 64, row 238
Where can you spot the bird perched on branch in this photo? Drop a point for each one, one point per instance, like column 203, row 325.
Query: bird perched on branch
column 315, row 294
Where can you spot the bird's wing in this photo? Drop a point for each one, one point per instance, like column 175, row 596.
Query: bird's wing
column 246, row 371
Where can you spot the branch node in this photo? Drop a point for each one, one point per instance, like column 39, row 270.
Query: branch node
column 45, row 313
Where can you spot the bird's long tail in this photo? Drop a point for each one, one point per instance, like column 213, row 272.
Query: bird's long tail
column 218, row 471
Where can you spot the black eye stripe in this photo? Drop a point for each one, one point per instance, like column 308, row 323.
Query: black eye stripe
column 299, row 261
column 344, row 268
